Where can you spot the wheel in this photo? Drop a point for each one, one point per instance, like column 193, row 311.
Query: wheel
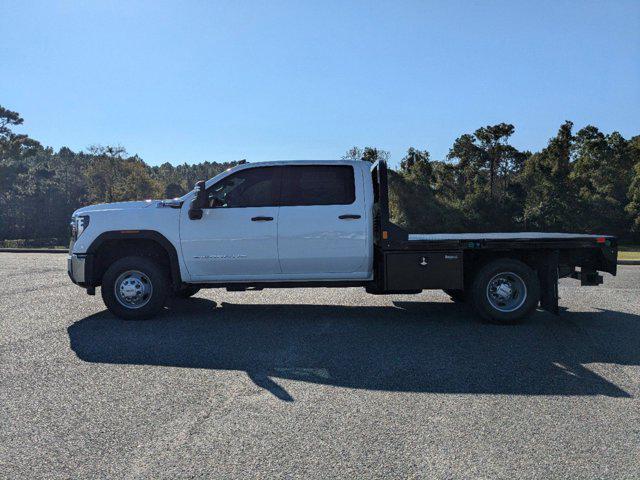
column 505, row 291
column 186, row 292
column 134, row 288
column 457, row 296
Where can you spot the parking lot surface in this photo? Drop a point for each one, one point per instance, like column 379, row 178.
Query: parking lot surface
column 314, row 383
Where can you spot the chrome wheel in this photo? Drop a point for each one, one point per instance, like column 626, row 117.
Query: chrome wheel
column 506, row 292
column 133, row 289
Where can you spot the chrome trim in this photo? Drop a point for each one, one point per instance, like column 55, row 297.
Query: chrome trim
column 506, row 292
column 75, row 267
column 133, row 289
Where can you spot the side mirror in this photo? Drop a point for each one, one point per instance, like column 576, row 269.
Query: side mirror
column 199, row 202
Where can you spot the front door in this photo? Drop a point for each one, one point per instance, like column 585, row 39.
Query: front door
column 236, row 238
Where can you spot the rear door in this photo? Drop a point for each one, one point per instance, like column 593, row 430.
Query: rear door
column 322, row 225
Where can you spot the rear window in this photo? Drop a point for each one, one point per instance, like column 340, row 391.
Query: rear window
column 318, row 185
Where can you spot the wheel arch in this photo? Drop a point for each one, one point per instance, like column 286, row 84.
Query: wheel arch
column 544, row 262
column 112, row 245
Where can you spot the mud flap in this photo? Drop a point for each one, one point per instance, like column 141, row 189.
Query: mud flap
column 548, row 276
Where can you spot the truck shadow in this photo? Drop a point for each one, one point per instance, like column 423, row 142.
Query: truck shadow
column 408, row 347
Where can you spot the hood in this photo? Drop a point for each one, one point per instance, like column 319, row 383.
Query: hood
column 101, row 207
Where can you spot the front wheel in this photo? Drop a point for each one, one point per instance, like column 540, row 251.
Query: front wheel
column 505, row 291
column 134, row 288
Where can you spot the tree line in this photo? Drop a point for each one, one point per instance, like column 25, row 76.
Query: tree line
column 585, row 181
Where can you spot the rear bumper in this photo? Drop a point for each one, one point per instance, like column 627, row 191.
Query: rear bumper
column 76, row 268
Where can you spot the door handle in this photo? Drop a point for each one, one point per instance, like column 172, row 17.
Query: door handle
column 262, row 219
column 349, row 217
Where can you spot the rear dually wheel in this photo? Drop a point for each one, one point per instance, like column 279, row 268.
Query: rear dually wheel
column 505, row 291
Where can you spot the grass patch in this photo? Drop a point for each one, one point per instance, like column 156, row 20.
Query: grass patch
column 33, row 243
column 629, row 252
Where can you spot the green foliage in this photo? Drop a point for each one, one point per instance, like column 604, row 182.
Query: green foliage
column 587, row 182
column 13, row 144
column 368, row 154
column 602, row 173
column 551, row 201
column 484, row 185
column 179, row 180
column 40, row 188
column 633, row 207
column 112, row 177
column 416, row 167
column 414, row 201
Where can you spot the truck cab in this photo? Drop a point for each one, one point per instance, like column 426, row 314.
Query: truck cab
column 310, row 224
column 271, row 222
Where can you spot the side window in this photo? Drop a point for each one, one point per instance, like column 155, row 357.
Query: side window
column 253, row 187
column 318, row 185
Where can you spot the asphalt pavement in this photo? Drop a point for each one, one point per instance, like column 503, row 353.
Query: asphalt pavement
column 314, row 383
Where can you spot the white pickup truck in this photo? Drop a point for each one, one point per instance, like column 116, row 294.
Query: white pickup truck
column 311, row 224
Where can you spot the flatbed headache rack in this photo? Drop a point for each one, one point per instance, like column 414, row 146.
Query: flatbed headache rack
column 553, row 255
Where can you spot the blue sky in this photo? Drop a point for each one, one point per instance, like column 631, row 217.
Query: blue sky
column 204, row 80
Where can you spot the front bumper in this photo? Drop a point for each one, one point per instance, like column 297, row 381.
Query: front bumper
column 76, row 268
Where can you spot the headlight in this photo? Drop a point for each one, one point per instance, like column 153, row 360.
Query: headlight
column 79, row 225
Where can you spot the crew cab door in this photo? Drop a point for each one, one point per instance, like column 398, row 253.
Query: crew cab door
column 322, row 226
column 236, row 238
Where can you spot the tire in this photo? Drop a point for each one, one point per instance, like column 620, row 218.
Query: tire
column 186, row 292
column 458, row 296
column 143, row 287
column 505, row 291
